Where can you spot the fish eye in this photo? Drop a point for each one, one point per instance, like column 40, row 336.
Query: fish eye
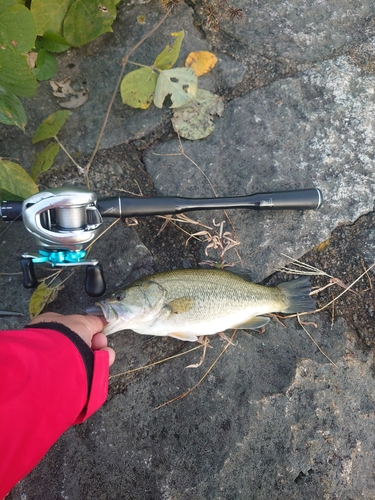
column 119, row 296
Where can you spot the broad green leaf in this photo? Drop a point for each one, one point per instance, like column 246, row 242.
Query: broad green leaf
column 11, row 110
column 195, row 120
column 5, row 4
column 15, row 182
column 42, row 296
column 44, row 160
column 49, row 14
column 87, row 19
column 137, row 88
column 46, row 66
column 15, row 74
column 52, row 42
column 51, row 125
column 11, row 33
column 180, row 84
column 167, row 58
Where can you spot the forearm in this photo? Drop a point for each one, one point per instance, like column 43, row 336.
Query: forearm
column 50, row 380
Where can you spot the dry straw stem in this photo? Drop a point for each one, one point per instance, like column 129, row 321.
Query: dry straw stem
column 183, row 395
column 181, row 152
column 117, row 86
column 156, row 362
column 307, row 269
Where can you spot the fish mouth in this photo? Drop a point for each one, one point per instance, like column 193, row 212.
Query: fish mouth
column 112, row 313
column 95, row 310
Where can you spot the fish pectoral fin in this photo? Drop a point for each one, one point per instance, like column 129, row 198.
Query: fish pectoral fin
column 190, row 337
column 254, row 323
column 180, row 305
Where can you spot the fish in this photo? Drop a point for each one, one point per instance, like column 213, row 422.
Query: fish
column 188, row 303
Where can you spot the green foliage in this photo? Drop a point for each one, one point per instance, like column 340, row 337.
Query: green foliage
column 44, row 160
column 10, row 33
column 47, row 26
column 168, row 57
column 194, row 109
column 49, row 15
column 180, row 84
column 45, row 65
column 42, row 296
column 86, row 20
column 137, row 88
column 15, row 74
column 11, row 109
column 15, row 182
column 51, row 126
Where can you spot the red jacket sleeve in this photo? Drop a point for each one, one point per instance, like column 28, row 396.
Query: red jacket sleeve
column 49, row 381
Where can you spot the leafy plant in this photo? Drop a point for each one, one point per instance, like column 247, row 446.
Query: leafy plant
column 16, row 183
column 48, row 26
column 160, row 82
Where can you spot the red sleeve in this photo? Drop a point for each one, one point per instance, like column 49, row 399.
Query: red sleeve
column 44, row 389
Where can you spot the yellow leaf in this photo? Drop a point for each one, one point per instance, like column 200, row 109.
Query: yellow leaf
column 42, row 296
column 322, row 246
column 201, row 61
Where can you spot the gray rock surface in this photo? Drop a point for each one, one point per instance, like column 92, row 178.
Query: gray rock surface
column 315, row 129
column 273, row 418
column 269, row 421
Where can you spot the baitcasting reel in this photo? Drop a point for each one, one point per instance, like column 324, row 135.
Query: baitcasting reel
column 65, row 220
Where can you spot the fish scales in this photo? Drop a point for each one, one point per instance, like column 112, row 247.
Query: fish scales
column 192, row 302
column 221, row 291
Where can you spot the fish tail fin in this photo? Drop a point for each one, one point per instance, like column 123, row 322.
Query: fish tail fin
column 297, row 295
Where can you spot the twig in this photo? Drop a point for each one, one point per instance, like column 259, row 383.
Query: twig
column 156, row 362
column 117, row 86
column 80, row 169
column 368, row 277
column 311, row 338
column 341, row 294
column 181, row 396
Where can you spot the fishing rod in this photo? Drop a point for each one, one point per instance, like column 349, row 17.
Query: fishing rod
column 65, row 220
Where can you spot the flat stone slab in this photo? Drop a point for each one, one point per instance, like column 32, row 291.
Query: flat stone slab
column 272, row 417
column 313, row 130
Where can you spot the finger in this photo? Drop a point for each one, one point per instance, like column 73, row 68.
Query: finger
column 99, row 341
column 85, row 326
column 112, row 354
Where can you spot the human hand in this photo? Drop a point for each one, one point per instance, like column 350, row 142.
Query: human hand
column 87, row 327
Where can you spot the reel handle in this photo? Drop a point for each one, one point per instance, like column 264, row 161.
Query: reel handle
column 29, row 279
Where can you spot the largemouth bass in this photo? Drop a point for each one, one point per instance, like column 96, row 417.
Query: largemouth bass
column 188, row 303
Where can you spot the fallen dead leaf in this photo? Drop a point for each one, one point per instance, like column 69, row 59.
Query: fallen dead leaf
column 68, row 98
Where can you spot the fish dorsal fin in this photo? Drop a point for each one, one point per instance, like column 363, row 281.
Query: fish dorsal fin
column 253, row 323
column 180, row 305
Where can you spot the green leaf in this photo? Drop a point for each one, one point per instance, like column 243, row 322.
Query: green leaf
column 52, row 42
column 51, row 125
column 15, row 74
column 42, row 296
column 137, row 88
column 167, row 58
column 49, row 14
column 11, row 110
column 11, row 33
column 46, row 66
column 87, row 19
column 15, row 182
column 5, row 4
column 179, row 83
column 195, row 120
column 44, row 160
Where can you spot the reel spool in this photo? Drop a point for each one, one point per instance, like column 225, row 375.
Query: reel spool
column 63, row 221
